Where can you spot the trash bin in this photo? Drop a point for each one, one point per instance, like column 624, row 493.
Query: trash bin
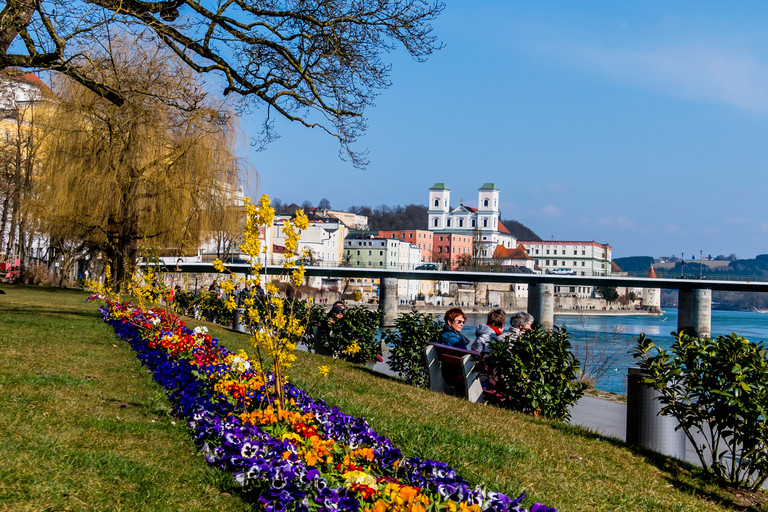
column 236, row 323
column 645, row 426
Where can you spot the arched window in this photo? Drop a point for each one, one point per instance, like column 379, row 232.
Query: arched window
column 448, row 223
column 435, row 223
column 485, row 203
column 485, row 223
column 437, row 203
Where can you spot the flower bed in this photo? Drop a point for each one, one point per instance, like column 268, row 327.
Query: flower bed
column 308, row 456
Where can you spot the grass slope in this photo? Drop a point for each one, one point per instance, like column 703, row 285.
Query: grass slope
column 83, row 427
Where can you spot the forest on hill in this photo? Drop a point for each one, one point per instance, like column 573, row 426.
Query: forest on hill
column 415, row 216
column 736, row 269
column 393, row 218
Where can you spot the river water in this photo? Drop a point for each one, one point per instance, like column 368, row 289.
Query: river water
column 610, row 338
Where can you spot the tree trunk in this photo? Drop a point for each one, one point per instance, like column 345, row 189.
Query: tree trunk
column 16, row 14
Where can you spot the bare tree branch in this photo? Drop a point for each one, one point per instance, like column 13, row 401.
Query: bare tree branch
column 315, row 62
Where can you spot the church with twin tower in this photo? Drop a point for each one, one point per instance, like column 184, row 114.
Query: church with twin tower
column 483, row 222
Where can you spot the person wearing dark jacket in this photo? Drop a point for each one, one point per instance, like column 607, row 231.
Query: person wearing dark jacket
column 451, row 333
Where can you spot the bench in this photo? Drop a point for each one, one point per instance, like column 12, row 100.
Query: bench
column 455, row 367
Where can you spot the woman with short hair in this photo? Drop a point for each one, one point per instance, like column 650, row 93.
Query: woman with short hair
column 451, row 333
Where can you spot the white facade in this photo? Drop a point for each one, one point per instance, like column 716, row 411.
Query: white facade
column 482, row 223
column 583, row 258
column 579, row 258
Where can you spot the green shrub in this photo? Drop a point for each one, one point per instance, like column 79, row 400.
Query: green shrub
column 360, row 325
column 718, row 389
column 217, row 309
column 414, row 332
column 536, row 374
column 184, row 302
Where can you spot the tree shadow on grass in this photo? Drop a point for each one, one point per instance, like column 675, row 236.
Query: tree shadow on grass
column 684, row 476
column 53, row 311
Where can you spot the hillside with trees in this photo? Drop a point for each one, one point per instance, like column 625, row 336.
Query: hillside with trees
column 736, row 269
column 520, row 230
column 414, row 216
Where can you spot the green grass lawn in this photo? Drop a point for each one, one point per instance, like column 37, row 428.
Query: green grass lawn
column 84, row 427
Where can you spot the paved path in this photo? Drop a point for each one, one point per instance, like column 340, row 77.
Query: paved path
column 606, row 417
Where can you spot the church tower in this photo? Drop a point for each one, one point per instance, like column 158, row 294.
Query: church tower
column 439, row 206
column 488, row 207
column 652, row 296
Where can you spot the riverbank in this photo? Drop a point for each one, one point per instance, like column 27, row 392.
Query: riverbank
column 484, row 310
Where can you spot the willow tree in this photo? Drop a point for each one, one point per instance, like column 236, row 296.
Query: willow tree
column 154, row 169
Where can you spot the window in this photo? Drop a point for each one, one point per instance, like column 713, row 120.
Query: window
column 474, row 222
column 381, row 263
column 358, row 253
column 461, row 223
column 485, row 223
column 381, row 253
column 435, row 223
column 547, row 251
column 485, row 203
column 448, row 223
column 437, row 203
column 369, row 253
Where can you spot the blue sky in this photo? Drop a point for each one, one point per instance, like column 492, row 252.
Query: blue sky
column 639, row 124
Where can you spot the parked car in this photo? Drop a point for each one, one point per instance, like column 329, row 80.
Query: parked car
column 427, row 266
column 562, row 271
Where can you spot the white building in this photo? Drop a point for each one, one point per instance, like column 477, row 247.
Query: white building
column 579, row 258
column 483, row 222
column 571, row 258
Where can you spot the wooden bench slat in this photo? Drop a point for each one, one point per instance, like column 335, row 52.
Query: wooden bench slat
column 462, row 361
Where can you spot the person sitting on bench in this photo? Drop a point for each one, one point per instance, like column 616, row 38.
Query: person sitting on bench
column 451, row 333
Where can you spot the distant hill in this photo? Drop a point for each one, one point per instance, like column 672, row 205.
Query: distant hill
column 412, row 216
column 635, row 263
column 520, row 230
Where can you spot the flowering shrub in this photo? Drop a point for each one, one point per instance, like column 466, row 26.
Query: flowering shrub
column 304, row 456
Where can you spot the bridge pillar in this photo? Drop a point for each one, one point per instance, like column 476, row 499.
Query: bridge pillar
column 694, row 312
column 388, row 301
column 541, row 304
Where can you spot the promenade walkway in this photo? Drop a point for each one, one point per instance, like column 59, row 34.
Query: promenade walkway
column 601, row 415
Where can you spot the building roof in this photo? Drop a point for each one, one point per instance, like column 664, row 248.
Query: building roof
column 615, row 267
column 503, row 229
column 488, row 186
column 505, row 253
column 439, row 186
column 26, row 78
column 652, row 274
column 562, row 242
